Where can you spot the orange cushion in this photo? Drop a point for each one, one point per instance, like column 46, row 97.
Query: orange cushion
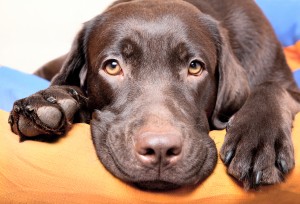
column 69, row 172
column 292, row 54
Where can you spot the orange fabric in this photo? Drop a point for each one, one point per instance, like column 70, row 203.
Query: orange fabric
column 69, row 172
column 292, row 54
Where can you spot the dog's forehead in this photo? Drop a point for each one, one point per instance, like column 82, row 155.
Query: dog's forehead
column 150, row 17
column 164, row 26
column 157, row 29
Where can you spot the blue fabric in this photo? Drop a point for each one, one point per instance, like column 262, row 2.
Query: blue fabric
column 15, row 85
column 297, row 77
column 284, row 16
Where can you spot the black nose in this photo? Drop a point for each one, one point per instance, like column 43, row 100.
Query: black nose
column 159, row 148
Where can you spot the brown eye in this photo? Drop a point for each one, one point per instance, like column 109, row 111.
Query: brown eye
column 195, row 68
column 112, row 67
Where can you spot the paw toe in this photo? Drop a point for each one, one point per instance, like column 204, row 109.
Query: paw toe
column 70, row 107
column 50, row 116
column 271, row 175
column 27, row 127
column 240, row 168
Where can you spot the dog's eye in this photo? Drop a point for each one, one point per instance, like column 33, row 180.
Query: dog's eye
column 195, row 68
column 112, row 67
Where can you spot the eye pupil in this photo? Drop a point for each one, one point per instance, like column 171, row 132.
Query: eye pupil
column 114, row 64
column 193, row 65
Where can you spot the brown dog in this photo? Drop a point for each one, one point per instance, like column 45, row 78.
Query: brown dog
column 157, row 76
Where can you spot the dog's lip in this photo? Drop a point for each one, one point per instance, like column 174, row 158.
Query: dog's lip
column 158, row 185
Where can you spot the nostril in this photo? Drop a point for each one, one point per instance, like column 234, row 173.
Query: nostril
column 146, row 151
column 173, row 151
column 150, row 151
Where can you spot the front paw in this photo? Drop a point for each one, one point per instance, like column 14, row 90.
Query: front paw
column 258, row 153
column 48, row 112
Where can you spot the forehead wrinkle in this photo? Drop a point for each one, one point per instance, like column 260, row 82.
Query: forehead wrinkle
column 139, row 28
column 164, row 30
column 156, row 36
column 165, row 24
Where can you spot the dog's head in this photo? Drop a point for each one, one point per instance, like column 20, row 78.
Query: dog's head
column 158, row 78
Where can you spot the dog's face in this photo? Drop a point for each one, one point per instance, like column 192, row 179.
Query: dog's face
column 152, row 77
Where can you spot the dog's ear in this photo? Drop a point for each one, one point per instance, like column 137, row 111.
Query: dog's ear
column 233, row 85
column 73, row 71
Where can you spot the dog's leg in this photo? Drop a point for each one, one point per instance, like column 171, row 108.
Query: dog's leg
column 49, row 112
column 258, row 147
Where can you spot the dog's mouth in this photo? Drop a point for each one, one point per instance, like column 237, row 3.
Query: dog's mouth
column 166, row 170
column 151, row 179
column 156, row 185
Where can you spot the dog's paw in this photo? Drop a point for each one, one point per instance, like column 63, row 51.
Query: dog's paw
column 48, row 112
column 258, row 152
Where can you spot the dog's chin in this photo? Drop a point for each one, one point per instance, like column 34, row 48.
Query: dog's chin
column 156, row 185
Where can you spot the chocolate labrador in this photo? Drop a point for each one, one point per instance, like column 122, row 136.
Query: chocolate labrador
column 154, row 77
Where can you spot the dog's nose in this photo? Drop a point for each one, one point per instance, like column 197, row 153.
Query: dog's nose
column 159, row 148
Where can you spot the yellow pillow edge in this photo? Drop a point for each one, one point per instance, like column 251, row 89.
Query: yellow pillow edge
column 90, row 172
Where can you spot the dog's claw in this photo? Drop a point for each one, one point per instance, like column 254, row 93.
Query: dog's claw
column 10, row 120
column 22, row 139
column 282, row 166
column 51, row 99
column 17, row 108
column 228, row 157
column 29, row 108
column 73, row 92
column 258, row 177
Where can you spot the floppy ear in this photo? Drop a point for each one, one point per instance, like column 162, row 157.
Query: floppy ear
column 73, row 71
column 233, row 86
